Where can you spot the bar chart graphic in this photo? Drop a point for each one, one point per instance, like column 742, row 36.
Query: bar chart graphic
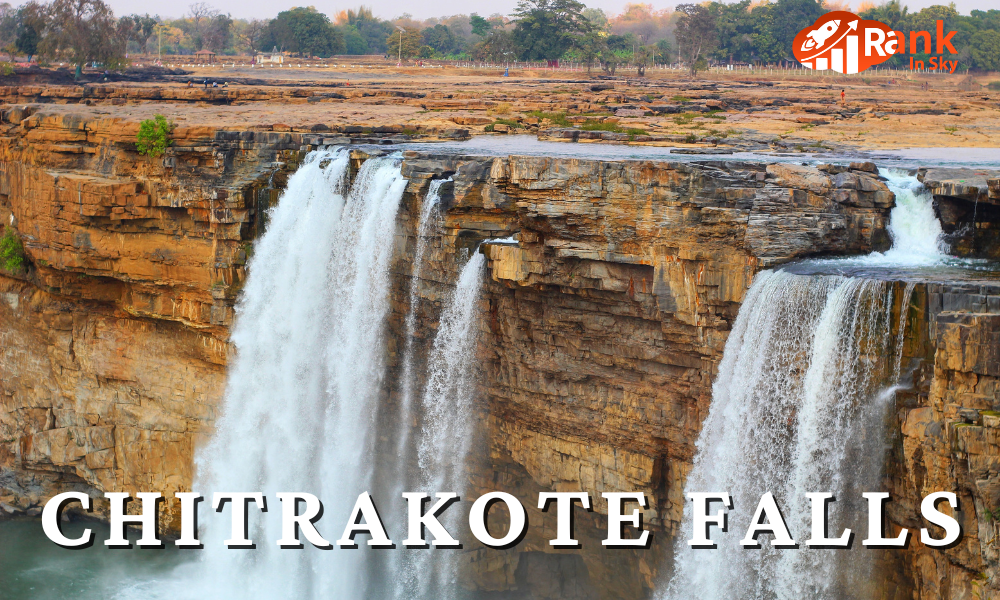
column 837, row 42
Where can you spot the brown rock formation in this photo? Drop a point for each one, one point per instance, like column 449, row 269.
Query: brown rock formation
column 602, row 331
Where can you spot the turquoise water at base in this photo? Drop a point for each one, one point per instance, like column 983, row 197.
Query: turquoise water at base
column 33, row 567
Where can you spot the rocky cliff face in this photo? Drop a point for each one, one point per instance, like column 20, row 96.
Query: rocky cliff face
column 601, row 328
column 115, row 335
column 945, row 438
column 967, row 202
column 604, row 325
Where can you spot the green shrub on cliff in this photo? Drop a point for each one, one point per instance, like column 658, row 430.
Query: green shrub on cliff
column 11, row 252
column 152, row 139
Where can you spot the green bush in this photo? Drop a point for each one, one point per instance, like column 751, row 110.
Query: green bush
column 508, row 122
column 592, row 125
column 6, row 69
column 558, row 118
column 12, row 257
column 152, row 139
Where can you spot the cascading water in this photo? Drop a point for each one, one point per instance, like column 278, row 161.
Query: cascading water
column 306, row 386
column 797, row 407
column 805, row 359
column 447, row 420
column 446, row 428
column 424, row 226
column 915, row 229
column 299, row 413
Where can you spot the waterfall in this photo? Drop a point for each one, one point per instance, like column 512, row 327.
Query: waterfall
column 447, row 396
column 798, row 406
column 424, row 224
column 791, row 413
column 446, row 429
column 303, row 388
column 914, row 228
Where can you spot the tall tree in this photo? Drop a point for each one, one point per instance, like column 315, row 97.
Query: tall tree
column 497, row 47
column 597, row 18
column 8, row 24
column 29, row 22
column 202, row 14
column 81, row 31
column 642, row 57
column 250, row 34
column 441, row 39
column 985, row 50
column 217, row 33
column 404, row 44
column 305, row 31
column 791, row 17
column 695, row 34
column 480, row 26
column 546, row 29
column 137, row 28
column 354, row 43
column 372, row 31
column 590, row 47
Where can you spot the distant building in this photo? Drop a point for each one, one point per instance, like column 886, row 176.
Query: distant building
column 277, row 57
column 205, row 56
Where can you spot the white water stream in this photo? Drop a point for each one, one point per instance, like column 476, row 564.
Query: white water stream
column 305, row 383
column 799, row 406
column 301, row 411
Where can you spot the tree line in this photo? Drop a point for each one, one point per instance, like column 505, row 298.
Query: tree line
column 748, row 31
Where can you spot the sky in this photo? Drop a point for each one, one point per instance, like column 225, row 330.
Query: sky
column 422, row 9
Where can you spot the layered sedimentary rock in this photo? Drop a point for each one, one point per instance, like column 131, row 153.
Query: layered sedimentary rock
column 606, row 321
column 601, row 330
column 967, row 202
column 946, row 439
column 115, row 336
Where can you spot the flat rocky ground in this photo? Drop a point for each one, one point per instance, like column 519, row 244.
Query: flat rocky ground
column 738, row 111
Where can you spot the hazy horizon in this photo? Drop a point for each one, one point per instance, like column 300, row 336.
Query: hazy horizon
column 390, row 9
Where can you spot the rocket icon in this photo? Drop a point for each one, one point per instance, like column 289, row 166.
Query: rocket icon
column 817, row 37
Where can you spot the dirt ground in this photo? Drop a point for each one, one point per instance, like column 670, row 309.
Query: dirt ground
column 778, row 109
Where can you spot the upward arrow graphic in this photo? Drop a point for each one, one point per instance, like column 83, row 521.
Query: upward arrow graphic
column 852, row 26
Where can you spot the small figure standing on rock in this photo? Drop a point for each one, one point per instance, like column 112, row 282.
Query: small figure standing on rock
column 843, row 97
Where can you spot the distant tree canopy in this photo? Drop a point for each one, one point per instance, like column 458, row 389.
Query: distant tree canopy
column 366, row 33
column 306, row 32
column 404, row 44
column 29, row 24
column 79, row 32
column 693, row 34
column 696, row 35
column 480, row 26
column 546, row 29
column 973, row 40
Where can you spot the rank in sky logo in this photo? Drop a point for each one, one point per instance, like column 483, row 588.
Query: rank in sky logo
column 843, row 42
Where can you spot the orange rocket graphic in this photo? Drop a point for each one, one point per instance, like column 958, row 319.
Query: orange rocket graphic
column 843, row 42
